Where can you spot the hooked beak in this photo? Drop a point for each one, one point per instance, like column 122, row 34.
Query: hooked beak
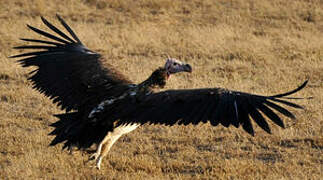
column 173, row 66
column 187, row 68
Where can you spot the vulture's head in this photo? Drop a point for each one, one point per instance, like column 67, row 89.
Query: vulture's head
column 160, row 75
column 173, row 66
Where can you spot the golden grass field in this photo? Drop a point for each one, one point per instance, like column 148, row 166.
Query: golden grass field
column 262, row 47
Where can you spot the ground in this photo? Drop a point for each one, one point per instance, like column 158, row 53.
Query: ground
column 262, row 47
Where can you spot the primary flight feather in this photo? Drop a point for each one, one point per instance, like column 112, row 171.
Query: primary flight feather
column 101, row 104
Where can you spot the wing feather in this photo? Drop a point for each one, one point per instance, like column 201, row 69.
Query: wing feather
column 59, row 32
column 68, row 28
column 280, row 109
column 208, row 111
column 220, row 107
column 50, row 36
column 271, row 115
column 259, row 119
column 199, row 113
column 246, row 121
column 41, row 41
column 214, row 105
column 68, row 72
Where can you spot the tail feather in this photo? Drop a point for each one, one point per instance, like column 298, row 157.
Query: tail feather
column 71, row 130
column 63, row 127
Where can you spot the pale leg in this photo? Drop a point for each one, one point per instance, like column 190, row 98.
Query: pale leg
column 97, row 153
column 109, row 140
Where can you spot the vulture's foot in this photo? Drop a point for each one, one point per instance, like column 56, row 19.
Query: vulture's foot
column 97, row 158
column 94, row 156
column 98, row 162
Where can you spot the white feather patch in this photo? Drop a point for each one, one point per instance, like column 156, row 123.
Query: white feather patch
column 100, row 107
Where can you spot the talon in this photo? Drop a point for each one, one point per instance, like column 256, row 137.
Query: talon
column 94, row 156
column 94, row 167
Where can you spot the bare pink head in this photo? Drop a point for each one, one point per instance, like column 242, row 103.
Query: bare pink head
column 173, row 66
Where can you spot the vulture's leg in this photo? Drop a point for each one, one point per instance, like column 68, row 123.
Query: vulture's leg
column 110, row 139
column 97, row 153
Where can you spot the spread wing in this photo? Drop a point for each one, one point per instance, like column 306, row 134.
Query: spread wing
column 218, row 106
column 67, row 71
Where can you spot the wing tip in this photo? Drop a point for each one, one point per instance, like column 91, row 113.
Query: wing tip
column 30, row 27
column 67, row 27
column 58, row 16
column 290, row 92
column 42, row 18
column 304, row 84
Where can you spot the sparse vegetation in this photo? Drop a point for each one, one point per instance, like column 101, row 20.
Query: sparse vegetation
column 262, row 47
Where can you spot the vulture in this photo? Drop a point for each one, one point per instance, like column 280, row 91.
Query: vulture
column 101, row 104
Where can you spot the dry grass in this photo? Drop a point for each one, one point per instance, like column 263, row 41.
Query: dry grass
column 261, row 47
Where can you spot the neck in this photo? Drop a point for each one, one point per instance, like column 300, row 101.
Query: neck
column 156, row 80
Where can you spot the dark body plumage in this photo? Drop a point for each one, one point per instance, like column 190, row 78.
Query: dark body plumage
column 98, row 99
column 91, row 125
